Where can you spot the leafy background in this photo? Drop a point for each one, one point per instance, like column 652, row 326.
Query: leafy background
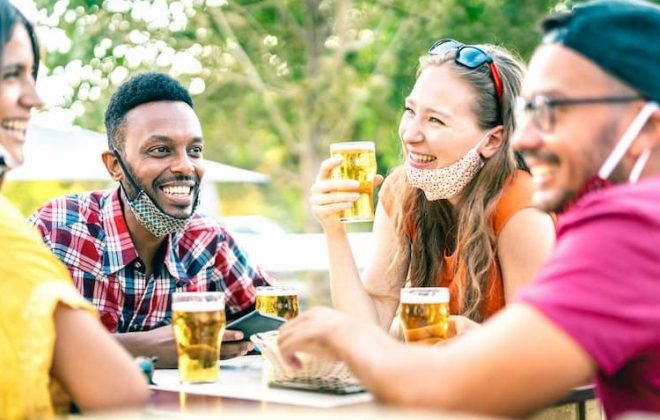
column 274, row 81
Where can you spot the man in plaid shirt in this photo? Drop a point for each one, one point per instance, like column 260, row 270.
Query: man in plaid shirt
column 129, row 248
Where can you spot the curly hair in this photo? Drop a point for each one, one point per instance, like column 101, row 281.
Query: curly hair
column 140, row 89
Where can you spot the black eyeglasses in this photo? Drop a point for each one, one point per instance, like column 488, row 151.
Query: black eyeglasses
column 471, row 57
column 541, row 109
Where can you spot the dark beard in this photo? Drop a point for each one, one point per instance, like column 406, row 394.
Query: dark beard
column 132, row 193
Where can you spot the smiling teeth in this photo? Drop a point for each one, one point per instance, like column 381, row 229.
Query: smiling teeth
column 177, row 190
column 421, row 158
column 540, row 171
column 15, row 125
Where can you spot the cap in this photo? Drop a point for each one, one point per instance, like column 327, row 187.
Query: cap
column 620, row 36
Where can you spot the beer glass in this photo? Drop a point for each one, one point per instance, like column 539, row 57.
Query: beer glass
column 281, row 301
column 198, row 319
column 424, row 314
column 359, row 164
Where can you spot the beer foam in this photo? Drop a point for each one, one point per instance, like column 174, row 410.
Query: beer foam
column 198, row 306
column 353, row 145
column 276, row 291
column 442, row 296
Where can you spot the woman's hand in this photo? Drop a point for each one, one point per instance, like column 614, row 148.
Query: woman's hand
column 459, row 324
column 329, row 197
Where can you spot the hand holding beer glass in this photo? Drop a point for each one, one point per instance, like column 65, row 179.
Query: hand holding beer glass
column 198, row 319
column 280, row 301
column 425, row 314
column 359, row 163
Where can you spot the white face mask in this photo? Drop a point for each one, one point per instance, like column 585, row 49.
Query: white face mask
column 445, row 183
column 624, row 144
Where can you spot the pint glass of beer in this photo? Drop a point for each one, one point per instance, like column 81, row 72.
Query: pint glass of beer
column 425, row 314
column 281, row 301
column 198, row 319
column 359, row 164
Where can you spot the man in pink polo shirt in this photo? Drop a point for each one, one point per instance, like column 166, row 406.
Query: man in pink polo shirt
column 589, row 129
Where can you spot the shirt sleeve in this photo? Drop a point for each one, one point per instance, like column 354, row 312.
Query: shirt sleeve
column 601, row 284
column 239, row 275
column 39, row 221
column 516, row 195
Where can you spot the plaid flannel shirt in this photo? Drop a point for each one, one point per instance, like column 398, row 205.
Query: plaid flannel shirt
column 88, row 233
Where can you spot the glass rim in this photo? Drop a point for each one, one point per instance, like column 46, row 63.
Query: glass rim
column 189, row 294
column 198, row 301
column 424, row 295
column 353, row 145
column 279, row 290
column 202, row 301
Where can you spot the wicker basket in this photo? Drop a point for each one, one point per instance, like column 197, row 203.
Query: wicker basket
column 315, row 372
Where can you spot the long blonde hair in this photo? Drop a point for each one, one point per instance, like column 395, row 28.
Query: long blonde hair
column 428, row 230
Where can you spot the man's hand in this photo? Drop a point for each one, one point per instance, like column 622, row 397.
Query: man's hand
column 160, row 342
column 233, row 345
column 157, row 342
column 459, row 324
column 323, row 332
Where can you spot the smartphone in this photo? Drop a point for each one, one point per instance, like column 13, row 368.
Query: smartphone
column 255, row 322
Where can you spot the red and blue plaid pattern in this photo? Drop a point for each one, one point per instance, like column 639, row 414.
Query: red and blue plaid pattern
column 88, row 233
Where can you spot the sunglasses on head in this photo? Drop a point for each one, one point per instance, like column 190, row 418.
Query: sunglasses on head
column 471, row 57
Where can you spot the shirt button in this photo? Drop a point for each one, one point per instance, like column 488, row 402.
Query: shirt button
column 138, row 264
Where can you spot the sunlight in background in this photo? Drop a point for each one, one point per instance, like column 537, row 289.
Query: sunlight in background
column 58, row 86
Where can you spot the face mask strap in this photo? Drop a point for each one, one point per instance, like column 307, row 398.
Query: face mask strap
column 626, row 141
column 128, row 174
column 639, row 165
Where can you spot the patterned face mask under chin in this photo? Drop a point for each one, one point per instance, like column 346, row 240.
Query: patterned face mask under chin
column 149, row 215
column 444, row 183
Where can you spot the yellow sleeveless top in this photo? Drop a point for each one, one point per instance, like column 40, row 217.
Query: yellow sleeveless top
column 33, row 282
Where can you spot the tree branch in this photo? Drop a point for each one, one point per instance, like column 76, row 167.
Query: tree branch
column 220, row 23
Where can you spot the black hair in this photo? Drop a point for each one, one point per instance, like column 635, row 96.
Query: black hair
column 141, row 89
column 9, row 17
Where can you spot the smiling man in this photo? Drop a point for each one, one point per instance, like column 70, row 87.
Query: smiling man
column 129, row 248
column 589, row 128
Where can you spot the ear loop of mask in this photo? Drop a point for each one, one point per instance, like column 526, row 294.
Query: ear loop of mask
column 624, row 144
column 128, row 175
column 639, row 165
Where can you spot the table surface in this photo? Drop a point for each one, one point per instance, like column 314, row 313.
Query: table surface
column 169, row 403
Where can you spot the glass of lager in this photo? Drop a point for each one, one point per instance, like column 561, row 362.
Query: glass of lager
column 198, row 319
column 280, row 301
column 359, row 164
column 425, row 314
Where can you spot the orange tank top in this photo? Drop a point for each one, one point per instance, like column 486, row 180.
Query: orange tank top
column 516, row 195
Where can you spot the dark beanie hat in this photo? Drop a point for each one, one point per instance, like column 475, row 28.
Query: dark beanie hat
column 620, row 36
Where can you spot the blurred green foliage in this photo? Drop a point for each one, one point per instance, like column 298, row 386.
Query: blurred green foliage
column 282, row 79
column 30, row 195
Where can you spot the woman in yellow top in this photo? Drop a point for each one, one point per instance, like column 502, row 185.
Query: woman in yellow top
column 458, row 212
column 50, row 337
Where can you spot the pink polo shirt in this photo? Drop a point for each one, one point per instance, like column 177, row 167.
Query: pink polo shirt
column 602, row 287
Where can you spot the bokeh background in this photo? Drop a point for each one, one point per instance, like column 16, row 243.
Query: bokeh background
column 274, row 81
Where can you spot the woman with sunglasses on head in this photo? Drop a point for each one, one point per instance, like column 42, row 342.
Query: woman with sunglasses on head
column 458, row 212
column 52, row 344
